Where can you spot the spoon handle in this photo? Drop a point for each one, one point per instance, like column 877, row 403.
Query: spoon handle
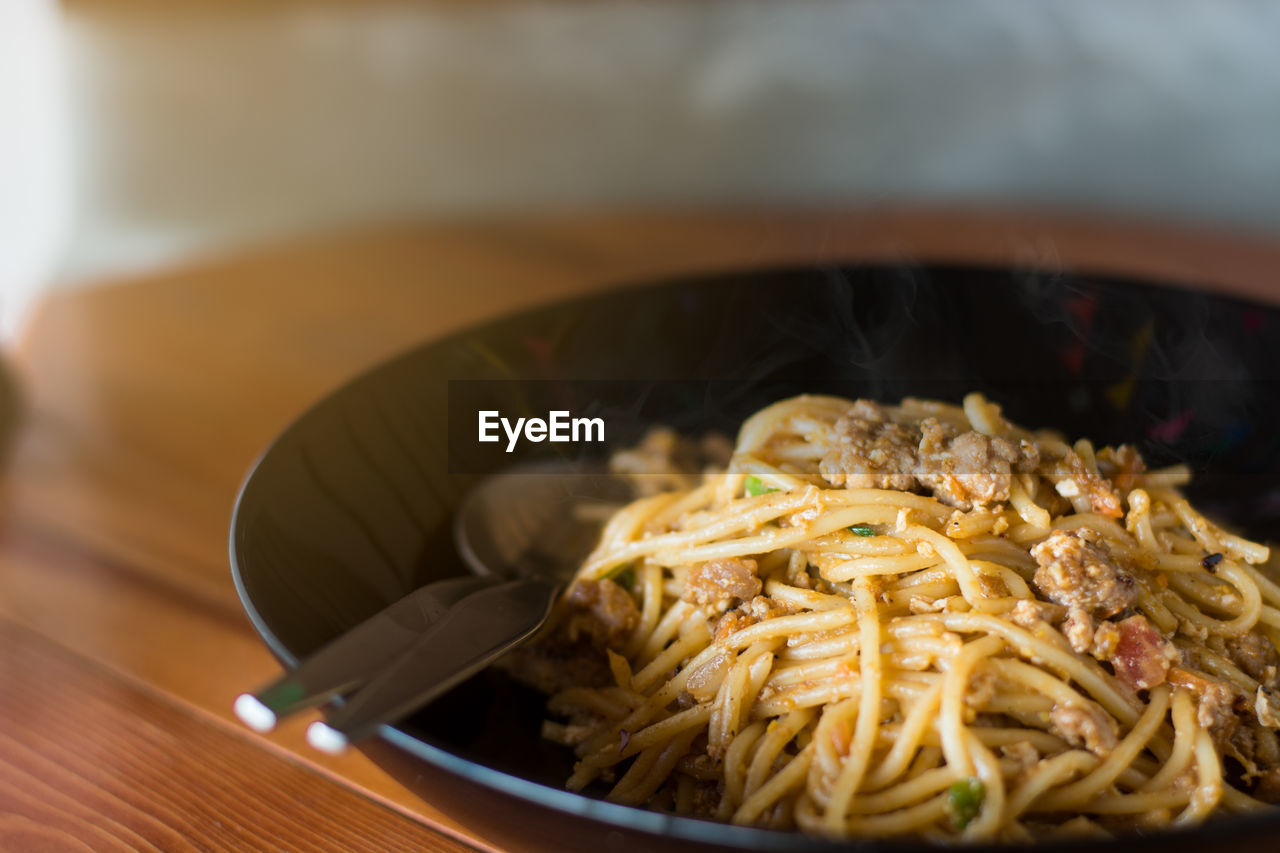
column 471, row 635
column 350, row 659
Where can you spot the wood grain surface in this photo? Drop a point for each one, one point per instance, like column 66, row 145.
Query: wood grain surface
column 122, row 643
column 89, row 762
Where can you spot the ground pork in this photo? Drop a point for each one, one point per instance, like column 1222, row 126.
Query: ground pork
column 1078, row 629
column 601, row 610
column 1081, row 485
column 1215, row 706
column 1076, row 570
column 1266, row 707
column 716, row 584
column 1214, row 711
column 1122, row 465
column 1105, row 641
column 748, row 613
column 1254, row 654
column 1031, row 614
column 970, row 469
column 871, row 451
column 962, row 469
column 1083, row 726
column 733, row 622
column 762, row 608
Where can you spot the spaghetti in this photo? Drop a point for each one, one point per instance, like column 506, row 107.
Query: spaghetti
column 923, row 620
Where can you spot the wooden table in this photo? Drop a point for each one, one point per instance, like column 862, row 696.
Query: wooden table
column 122, row 643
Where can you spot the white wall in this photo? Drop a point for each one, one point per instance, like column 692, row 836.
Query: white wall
column 198, row 132
column 35, row 163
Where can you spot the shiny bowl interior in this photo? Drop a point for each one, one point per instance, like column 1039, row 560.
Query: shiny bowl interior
column 350, row 508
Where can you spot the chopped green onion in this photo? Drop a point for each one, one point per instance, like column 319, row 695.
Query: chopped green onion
column 964, row 801
column 862, row 530
column 755, row 488
column 624, row 575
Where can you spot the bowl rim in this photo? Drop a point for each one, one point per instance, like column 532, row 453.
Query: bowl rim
column 679, row 827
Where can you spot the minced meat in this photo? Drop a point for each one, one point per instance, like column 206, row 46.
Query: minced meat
column 1254, row 654
column 1076, row 570
column 716, row 584
column 1084, row 727
column 962, row 469
column 1078, row 628
column 871, row 451
column 602, row 610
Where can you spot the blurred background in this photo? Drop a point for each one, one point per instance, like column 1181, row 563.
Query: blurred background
column 138, row 135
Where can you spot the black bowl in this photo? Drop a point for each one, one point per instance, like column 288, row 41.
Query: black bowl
column 350, row 508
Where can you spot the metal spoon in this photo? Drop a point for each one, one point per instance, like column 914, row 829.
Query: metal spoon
column 521, row 531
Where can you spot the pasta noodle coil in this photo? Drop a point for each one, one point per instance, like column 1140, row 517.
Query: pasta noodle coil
column 922, row 619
